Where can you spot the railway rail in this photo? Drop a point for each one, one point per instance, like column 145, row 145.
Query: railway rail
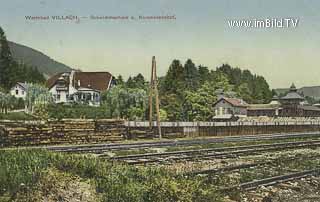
column 101, row 148
column 246, row 165
column 271, row 181
column 223, row 152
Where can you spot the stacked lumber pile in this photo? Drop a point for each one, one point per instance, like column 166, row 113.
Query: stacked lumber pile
column 89, row 130
column 25, row 133
column 140, row 134
column 109, row 130
column 174, row 135
column 73, row 131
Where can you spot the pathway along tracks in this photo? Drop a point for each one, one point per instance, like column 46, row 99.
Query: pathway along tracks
column 101, row 148
column 223, row 152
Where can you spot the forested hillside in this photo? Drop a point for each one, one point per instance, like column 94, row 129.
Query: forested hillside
column 31, row 57
column 12, row 71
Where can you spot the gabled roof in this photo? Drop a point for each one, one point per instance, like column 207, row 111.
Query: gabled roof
column 292, row 96
column 52, row 80
column 235, row 102
column 93, row 80
column 23, row 85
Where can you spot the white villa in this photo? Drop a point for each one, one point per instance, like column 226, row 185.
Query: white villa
column 19, row 90
column 79, row 87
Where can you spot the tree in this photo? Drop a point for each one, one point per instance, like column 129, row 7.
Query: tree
column 5, row 61
column 204, row 74
column 191, row 76
column 4, row 103
column 243, row 92
column 198, row 104
column 127, row 103
column 173, row 82
column 172, row 104
column 37, row 96
column 119, row 80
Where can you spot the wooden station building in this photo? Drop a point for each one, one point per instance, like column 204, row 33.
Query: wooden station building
column 291, row 105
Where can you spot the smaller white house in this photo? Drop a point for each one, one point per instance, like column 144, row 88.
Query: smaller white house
column 19, row 90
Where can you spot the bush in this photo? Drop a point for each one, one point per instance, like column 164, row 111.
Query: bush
column 16, row 116
column 60, row 111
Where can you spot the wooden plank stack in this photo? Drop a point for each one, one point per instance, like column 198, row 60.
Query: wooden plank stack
column 23, row 133
column 110, row 130
column 140, row 134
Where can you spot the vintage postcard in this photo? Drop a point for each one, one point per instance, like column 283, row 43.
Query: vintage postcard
column 159, row 101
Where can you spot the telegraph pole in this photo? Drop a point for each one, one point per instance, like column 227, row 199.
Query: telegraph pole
column 153, row 91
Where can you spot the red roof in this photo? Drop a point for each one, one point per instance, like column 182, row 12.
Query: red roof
column 234, row 102
column 94, row 80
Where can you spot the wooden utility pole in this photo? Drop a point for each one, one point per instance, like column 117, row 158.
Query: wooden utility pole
column 153, row 91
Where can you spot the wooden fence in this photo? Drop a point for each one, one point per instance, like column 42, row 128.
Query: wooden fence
column 198, row 129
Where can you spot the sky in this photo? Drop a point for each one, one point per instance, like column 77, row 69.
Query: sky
column 200, row 31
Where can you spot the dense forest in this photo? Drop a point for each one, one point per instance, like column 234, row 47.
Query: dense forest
column 12, row 71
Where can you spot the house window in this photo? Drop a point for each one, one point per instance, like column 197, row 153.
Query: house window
column 23, row 92
column 58, row 97
column 17, row 92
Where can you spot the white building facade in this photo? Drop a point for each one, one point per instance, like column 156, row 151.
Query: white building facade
column 80, row 87
column 19, row 90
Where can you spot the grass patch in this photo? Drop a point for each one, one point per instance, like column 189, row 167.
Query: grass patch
column 23, row 170
column 16, row 116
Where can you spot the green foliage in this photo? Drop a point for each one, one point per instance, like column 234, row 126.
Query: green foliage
column 16, row 116
column 257, row 88
column 114, row 182
column 75, row 111
column 9, row 102
column 173, row 82
column 187, row 92
column 136, row 82
column 37, row 96
column 191, row 76
column 119, row 80
column 124, row 102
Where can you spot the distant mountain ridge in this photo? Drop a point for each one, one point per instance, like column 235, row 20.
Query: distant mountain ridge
column 311, row 91
column 30, row 56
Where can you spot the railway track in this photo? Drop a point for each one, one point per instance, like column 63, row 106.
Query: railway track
column 247, row 165
column 271, row 181
column 101, row 148
column 205, row 154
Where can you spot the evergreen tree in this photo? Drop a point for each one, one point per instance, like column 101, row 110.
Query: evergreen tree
column 119, row 80
column 173, row 81
column 191, row 76
column 5, row 61
column 204, row 74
